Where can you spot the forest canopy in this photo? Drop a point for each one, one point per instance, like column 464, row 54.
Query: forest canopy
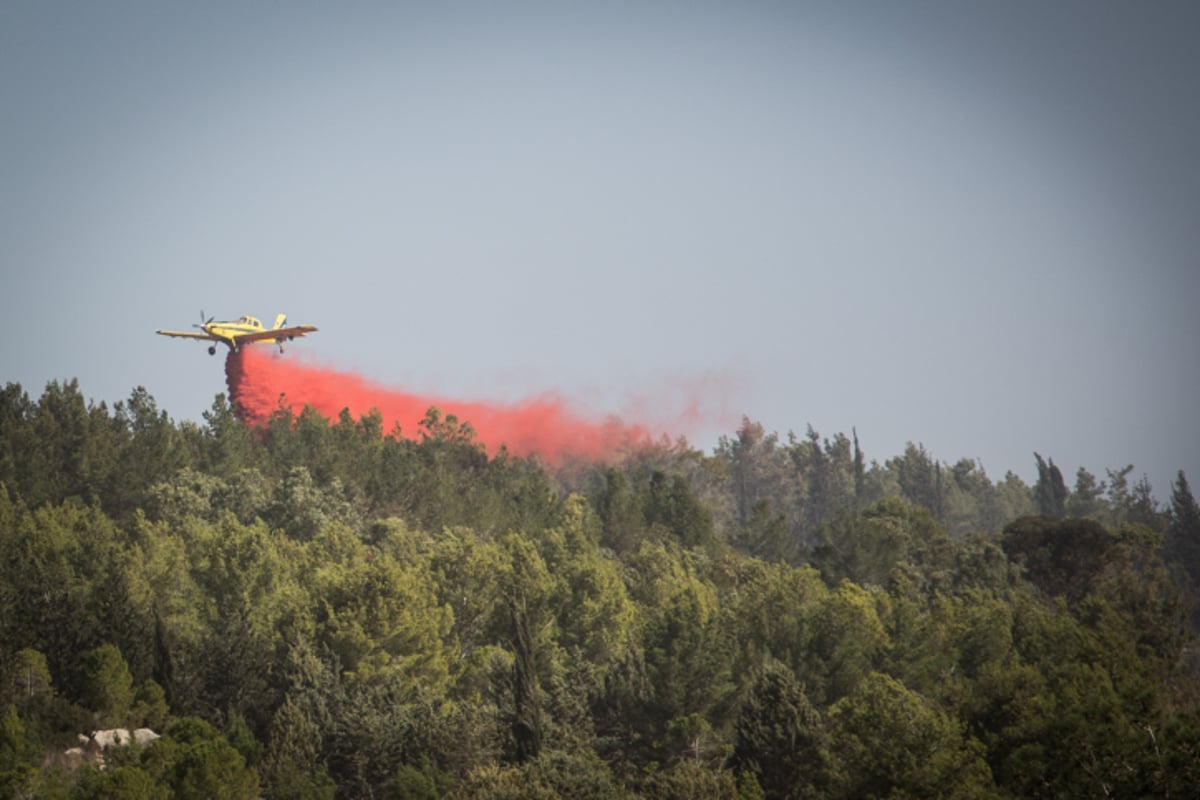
column 321, row 608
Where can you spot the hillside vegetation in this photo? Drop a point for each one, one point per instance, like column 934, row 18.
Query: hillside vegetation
column 319, row 609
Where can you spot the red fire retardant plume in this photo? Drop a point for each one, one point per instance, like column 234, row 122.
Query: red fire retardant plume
column 258, row 380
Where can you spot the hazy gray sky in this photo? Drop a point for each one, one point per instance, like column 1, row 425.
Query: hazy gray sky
column 971, row 225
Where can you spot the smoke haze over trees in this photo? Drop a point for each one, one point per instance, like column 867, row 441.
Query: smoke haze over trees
column 316, row 607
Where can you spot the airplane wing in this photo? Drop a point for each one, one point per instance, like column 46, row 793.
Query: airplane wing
column 190, row 335
column 275, row 334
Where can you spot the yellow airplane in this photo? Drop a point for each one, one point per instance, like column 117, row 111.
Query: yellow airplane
column 246, row 330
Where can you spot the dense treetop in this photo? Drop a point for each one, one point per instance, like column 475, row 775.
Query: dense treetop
column 321, row 608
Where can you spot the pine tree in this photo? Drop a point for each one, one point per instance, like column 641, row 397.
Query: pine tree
column 779, row 737
column 1183, row 530
column 1087, row 500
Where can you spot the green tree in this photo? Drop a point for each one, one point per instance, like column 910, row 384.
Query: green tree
column 68, row 580
column 147, row 448
column 622, row 522
column 1120, row 501
column 1015, row 497
column 527, row 702
column 379, row 616
column 1183, row 530
column 119, row 783
column 971, row 502
column 448, row 487
column 419, row 783
column 781, row 738
column 574, row 775
column 919, row 477
column 1143, row 507
column 892, row 742
column 150, row 705
column 830, row 474
column 196, row 762
column 688, row 655
column 846, row 643
column 594, row 614
column 496, row 782
column 301, row 508
column 759, row 471
column 188, row 493
column 357, row 449
column 13, row 745
column 692, row 781
column 1067, row 716
column 1061, row 557
column 293, row 763
column 16, row 438
column 867, row 547
column 1050, row 493
column 299, row 737
column 58, row 465
column 1087, row 500
column 674, row 506
column 107, row 686
column 386, row 722
column 527, row 588
column 27, row 678
column 1136, row 598
column 247, row 591
column 861, row 548
column 860, row 474
column 228, row 443
column 766, row 535
column 468, row 573
column 770, row 614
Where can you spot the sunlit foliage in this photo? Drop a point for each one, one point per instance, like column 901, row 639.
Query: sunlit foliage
column 318, row 609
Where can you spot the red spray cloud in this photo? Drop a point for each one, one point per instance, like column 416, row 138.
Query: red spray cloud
column 258, row 380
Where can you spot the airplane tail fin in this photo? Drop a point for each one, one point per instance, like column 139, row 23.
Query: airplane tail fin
column 280, row 321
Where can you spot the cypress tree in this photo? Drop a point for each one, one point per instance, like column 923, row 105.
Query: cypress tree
column 1050, row 492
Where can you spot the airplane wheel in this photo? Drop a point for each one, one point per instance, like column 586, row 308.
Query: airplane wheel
column 212, row 351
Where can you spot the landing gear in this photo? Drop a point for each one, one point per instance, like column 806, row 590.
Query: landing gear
column 212, row 350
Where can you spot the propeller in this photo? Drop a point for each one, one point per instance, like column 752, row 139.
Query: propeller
column 203, row 321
